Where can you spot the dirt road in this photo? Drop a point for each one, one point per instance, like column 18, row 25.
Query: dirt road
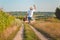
column 19, row 35
column 41, row 36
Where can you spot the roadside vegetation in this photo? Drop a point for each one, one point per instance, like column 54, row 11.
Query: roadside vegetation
column 49, row 27
column 5, row 20
column 20, row 17
column 29, row 33
column 15, row 28
column 9, row 26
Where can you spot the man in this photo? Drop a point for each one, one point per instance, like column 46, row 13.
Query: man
column 30, row 13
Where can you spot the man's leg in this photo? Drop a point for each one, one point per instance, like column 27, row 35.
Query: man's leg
column 29, row 18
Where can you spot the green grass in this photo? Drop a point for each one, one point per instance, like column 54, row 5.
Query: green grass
column 13, row 34
column 5, row 20
column 29, row 33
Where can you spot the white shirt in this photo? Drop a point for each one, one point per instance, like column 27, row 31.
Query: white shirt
column 30, row 13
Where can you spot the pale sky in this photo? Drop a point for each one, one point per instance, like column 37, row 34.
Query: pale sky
column 23, row 5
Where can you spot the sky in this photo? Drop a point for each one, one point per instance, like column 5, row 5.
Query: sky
column 24, row 5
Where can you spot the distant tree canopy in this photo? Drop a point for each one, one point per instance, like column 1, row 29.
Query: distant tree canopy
column 57, row 13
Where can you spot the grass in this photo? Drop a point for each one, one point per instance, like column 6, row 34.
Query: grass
column 18, row 25
column 51, row 27
column 29, row 33
column 5, row 20
column 15, row 28
column 13, row 34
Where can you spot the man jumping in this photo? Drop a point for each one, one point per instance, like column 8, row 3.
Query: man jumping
column 30, row 13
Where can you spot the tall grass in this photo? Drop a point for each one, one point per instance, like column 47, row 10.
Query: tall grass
column 51, row 27
column 5, row 20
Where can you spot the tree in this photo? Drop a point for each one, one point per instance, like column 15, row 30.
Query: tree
column 57, row 13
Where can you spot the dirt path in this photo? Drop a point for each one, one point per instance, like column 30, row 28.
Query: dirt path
column 19, row 35
column 41, row 36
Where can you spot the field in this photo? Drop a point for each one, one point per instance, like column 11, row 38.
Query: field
column 45, row 22
column 49, row 27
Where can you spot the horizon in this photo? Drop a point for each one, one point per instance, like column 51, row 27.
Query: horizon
column 26, row 11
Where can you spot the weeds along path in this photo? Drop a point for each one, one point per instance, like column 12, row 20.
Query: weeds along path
column 19, row 35
column 29, row 33
column 40, row 36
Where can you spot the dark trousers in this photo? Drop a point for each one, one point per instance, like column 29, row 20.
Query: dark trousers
column 29, row 19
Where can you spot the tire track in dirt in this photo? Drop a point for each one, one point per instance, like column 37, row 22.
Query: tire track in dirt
column 19, row 35
column 40, row 36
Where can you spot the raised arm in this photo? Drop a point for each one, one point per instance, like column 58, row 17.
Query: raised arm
column 34, row 7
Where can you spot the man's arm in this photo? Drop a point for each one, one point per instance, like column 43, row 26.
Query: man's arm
column 34, row 7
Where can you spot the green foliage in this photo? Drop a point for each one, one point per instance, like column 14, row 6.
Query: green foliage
column 20, row 17
column 57, row 13
column 5, row 20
